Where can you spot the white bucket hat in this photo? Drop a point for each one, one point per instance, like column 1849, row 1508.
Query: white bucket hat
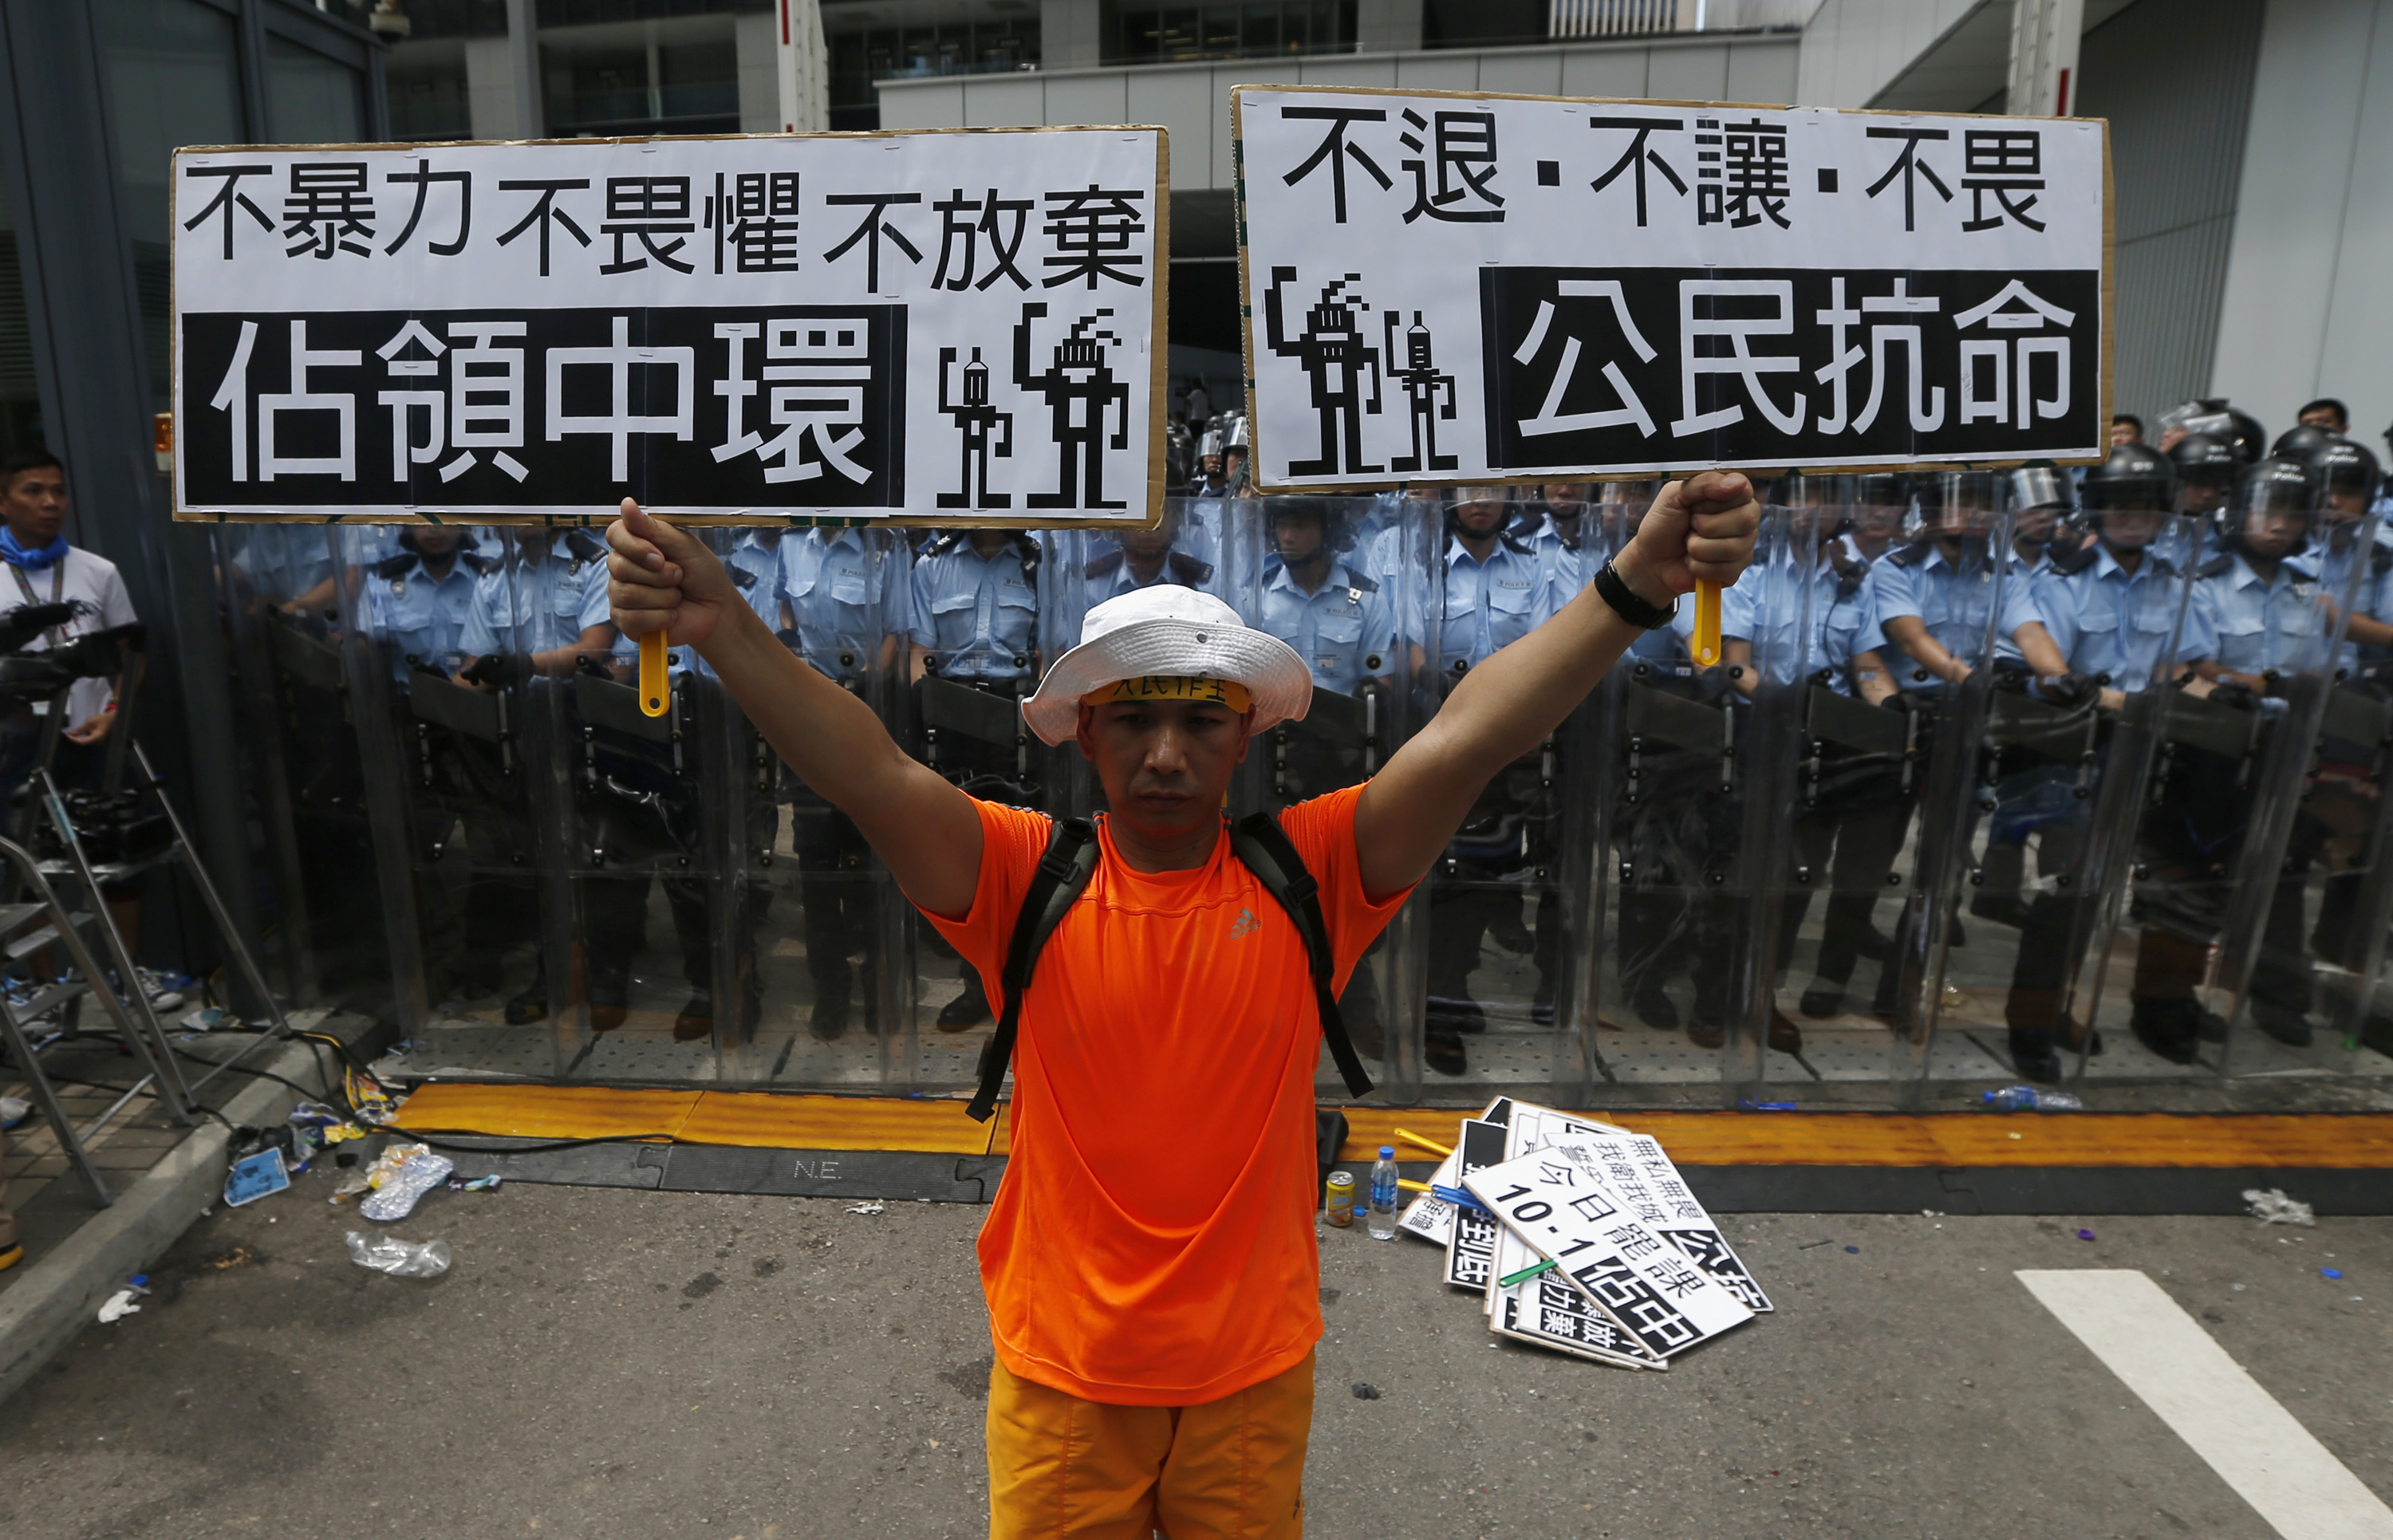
column 1168, row 629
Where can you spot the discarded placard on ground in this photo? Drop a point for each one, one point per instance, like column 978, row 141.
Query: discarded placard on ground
column 1557, row 1201
column 1470, row 1251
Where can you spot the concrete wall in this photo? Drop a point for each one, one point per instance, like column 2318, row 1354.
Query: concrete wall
column 2308, row 303
column 491, row 90
column 2173, row 77
column 1853, row 49
column 1071, row 35
column 1193, row 100
column 757, row 36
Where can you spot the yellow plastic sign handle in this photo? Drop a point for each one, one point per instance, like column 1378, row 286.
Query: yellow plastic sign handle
column 1706, row 643
column 656, row 690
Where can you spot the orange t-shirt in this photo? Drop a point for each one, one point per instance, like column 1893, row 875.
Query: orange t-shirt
column 1152, row 1242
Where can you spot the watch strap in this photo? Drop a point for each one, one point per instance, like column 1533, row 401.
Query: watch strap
column 1627, row 605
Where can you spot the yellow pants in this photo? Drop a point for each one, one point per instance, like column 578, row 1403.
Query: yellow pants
column 1229, row 1469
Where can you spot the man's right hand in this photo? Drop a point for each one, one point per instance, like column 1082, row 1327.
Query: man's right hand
column 662, row 579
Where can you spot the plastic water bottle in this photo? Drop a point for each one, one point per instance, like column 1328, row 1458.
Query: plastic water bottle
column 1382, row 1220
column 2029, row 1099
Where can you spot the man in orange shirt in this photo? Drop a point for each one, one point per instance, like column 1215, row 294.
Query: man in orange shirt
column 1149, row 1263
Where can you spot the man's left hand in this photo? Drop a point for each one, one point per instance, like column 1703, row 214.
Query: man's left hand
column 1701, row 529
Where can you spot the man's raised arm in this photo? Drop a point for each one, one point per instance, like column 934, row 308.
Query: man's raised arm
column 1702, row 527
column 659, row 577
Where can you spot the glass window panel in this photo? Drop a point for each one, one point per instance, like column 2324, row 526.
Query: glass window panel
column 311, row 100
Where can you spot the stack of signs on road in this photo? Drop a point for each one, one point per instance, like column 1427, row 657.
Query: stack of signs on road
column 1641, row 1272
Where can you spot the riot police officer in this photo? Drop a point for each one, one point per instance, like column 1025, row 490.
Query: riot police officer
column 2110, row 611
column 843, row 591
column 1143, row 557
column 1496, row 593
column 417, row 598
column 974, row 623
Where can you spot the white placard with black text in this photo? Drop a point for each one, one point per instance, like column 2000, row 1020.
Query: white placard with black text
column 1454, row 289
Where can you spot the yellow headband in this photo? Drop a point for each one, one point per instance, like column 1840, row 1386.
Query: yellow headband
column 1175, row 687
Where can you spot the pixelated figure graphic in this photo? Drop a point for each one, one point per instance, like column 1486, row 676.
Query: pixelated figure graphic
column 1335, row 358
column 1335, row 149
column 1636, row 157
column 1465, row 152
column 1907, row 163
column 978, row 421
column 1079, row 385
column 1423, row 387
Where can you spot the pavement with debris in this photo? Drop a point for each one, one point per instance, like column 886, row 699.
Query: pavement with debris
column 612, row 1363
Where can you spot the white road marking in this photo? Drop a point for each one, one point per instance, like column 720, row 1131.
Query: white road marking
column 2206, row 1398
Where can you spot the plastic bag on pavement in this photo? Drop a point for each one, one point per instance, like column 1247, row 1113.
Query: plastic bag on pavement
column 398, row 1258
column 403, row 1174
column 2270, row 1205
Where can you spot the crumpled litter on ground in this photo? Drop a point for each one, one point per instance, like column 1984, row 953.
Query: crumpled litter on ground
column 119, row 1305
column 398, row 1258
column 2270, row 1205
column 873, row 1208
column 403, row 1174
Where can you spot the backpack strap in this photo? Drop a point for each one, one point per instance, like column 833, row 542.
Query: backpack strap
column 1070, row 861
column 1266, row 850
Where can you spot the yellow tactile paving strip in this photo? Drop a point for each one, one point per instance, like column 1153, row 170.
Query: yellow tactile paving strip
column 2318, row 1141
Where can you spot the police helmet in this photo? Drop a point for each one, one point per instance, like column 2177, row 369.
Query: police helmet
column 2302, row 442
column 1238, row 437
column 2206, row 459
column 2279, row 484
column 1883, row 491
column 2135, row 478
column 1210, row 447
column 1337, row 531
column 2344, row 465
column 2239, row 430
column 2035, row 487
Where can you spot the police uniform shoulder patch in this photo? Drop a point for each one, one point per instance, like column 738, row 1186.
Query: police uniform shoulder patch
column 1188, row 571
column 394, row 566
column 2217, row 566
column 1357, row 584
column 478, row 565
column 1910, row 555
column 742, row 577
column 1105, row 565
column 2069, row 563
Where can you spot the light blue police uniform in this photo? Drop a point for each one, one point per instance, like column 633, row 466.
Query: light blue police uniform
column 1339, row 629
column 1490, row 603
column 421, row 616
column 2108, row 620
column 2372, row 596
column 282, row 562
column 843, row 589
column 1108, row 575
column 2019, row 579
column 2262, row 624
column 1765, row 608
column 1952, row 604
column 975, row 613
column 533, row 604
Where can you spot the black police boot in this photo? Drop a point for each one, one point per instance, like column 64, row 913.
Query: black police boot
column 2034, row 1057
column 828, row 1018
column 1784, row 1036
column 1442, row 1047
column 697, row 1018
column 608, row 1006
column 967, row 1010
column 2170, row 1028
column 1821, row 1000
column 2287, row 1023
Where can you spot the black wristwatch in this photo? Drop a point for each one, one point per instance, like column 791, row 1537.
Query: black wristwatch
column 1627, row 605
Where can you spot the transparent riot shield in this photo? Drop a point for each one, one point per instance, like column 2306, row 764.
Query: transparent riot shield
column 804, row 919
column 323, row 934
column 976, row 630
column 2284, row 584
column 448, row 790
column 1341, row 582
column 2347, row 877
column 1495, row 921
column 2069, row 815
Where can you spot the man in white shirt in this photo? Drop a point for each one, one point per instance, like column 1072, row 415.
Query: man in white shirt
column 41, row 568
